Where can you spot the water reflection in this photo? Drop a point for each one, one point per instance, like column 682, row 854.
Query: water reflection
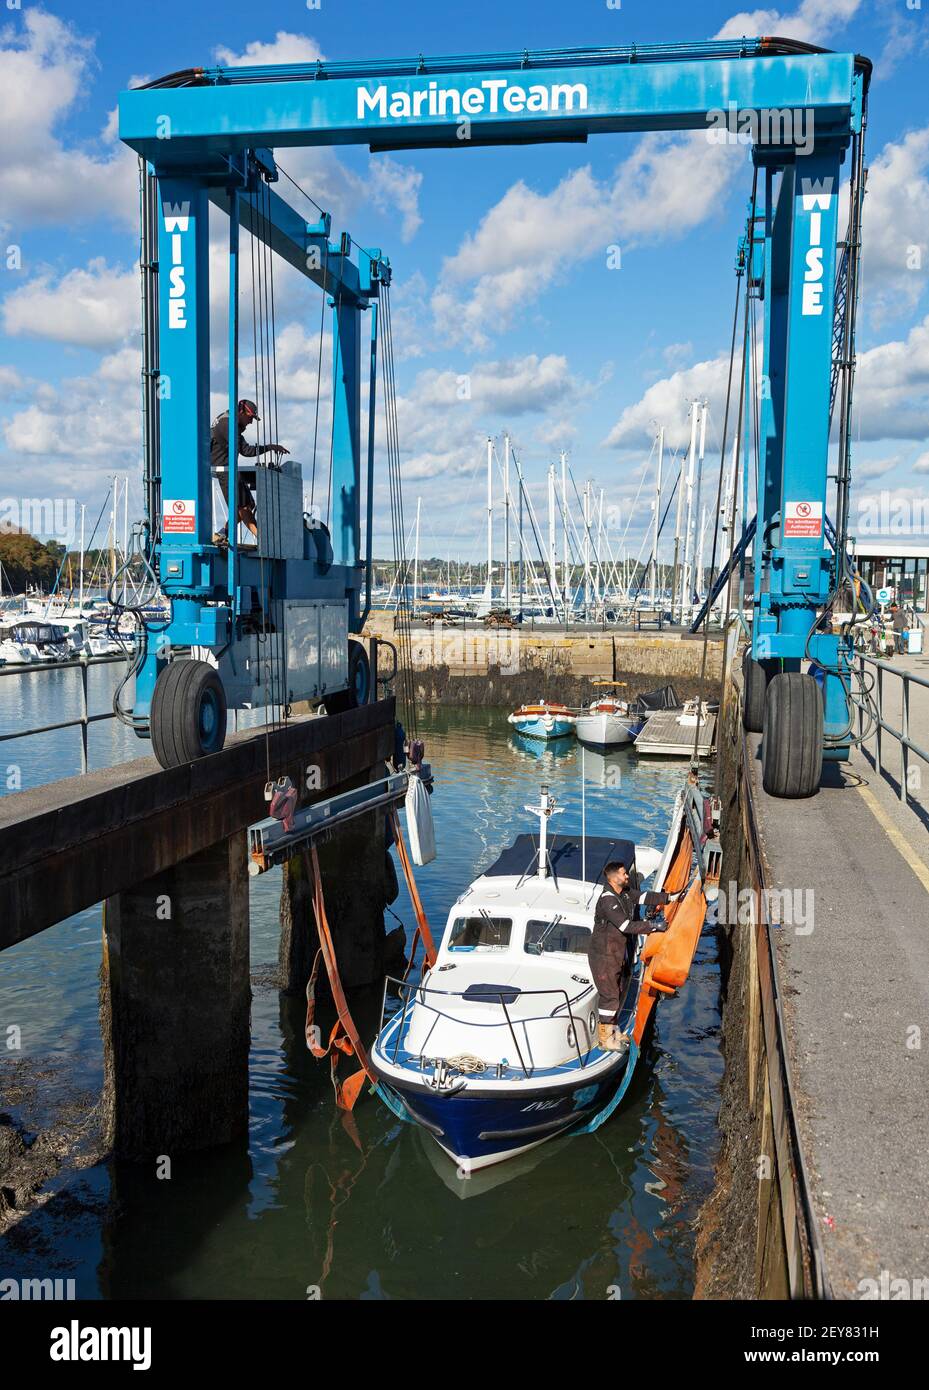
column 369, row 1207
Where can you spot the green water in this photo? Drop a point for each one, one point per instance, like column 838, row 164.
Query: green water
column 367, row 1207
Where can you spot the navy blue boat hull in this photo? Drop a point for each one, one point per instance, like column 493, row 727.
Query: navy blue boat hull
column 483, row 1126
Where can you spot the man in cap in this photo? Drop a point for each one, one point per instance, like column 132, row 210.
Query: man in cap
column 616, row 921
column 219, row 462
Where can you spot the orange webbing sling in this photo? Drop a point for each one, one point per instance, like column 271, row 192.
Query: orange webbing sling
column 344, row 1036
column 668, row 955
column 422, row 925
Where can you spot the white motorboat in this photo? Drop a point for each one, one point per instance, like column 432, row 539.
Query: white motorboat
column 17, row 653
column 496, row 1049
column 607, row 722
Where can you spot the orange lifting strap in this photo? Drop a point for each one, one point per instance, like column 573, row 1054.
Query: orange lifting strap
column 422, row 925
column 344, row 1035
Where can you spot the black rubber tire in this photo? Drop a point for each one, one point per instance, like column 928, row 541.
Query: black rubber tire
column 792, row 746
column 188, row 714
column 754, row 687
column 359, row 682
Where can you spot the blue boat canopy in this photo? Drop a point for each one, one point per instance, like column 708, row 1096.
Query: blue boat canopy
column 564, row 852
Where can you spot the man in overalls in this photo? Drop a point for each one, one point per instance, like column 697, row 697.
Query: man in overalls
column 616, row 922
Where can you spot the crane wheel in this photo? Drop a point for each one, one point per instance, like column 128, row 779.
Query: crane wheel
column 188, row 715
column 754, row 687
column 359, row 682
column 792, row 746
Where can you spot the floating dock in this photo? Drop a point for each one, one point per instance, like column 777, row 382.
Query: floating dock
column 663, row 733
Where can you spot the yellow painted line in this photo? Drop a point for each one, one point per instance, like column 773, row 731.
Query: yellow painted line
column 896, row 837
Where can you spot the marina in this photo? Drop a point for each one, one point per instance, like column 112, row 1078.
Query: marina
column 462, row 812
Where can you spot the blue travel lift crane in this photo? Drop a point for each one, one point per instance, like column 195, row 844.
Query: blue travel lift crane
column 210, row 135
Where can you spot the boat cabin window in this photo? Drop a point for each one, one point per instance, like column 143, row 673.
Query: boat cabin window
column 480, row 932
column 555, row 935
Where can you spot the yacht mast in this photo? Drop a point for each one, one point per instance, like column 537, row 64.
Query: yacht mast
column 490, row 520
column 653, row 598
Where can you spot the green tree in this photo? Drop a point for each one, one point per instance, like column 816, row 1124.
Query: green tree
column 26, row 561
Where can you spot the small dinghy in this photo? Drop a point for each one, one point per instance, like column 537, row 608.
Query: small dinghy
column 607, row 722
column 496, row 1049
column 543, row 720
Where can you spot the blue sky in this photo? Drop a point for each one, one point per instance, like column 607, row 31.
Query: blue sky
column 499, row 256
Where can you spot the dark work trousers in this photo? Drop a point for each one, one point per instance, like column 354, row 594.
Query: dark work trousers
column 609, row 957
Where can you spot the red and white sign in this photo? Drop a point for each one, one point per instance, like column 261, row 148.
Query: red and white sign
column 803, row 519
column 178, row 516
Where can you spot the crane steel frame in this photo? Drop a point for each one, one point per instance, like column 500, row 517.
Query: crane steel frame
column 209, row 134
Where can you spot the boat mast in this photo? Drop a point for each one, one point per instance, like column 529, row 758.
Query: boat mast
column 80, row 579
column 565, row 577
column 545, row 807
column 586, row 500
column 688, row 542
column 599, row 580
column 490, row 520
column 552, row 564
column 655, row 577
column 696, row 580
column 506, row 519
column 416, row 556
column 520, row 547
column 125, row 537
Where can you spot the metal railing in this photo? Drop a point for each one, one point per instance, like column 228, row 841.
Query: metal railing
column 880, row 725
column 407, row 988
column 84, row 721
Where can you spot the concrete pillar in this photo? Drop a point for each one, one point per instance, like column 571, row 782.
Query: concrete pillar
column 174, row 1007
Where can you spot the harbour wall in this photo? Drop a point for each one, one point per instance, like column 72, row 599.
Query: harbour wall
column 754, row 1238
column 504, row 667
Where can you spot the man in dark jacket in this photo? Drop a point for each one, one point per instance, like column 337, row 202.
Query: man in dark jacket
column 219, row 462
column 616, row 922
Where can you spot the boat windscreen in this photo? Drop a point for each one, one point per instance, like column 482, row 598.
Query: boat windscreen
column 481, row 932
column 554, row 935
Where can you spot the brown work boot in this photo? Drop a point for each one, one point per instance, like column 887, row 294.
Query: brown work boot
column 611, row 1039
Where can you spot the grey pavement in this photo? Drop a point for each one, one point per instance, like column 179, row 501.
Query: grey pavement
column 856, row 1001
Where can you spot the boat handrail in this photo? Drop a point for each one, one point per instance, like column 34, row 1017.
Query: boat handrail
column 406, row 987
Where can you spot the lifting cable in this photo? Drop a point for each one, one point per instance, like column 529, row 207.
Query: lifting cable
column 264, row 350
column 406, row 685
column 747, row 269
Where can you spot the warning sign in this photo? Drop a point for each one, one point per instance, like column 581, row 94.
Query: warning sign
column 178, row 516
column 803, row 519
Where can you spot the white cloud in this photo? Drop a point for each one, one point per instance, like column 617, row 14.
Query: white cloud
column 891, row 396
column 44, row 72
column 895, row 226
column 874, row 468
column 529, row 241
column 810, row 22
column 892, row 388
column 394, row 185
column 445, row 417
column 283, row 48
column 667, row 402
column 390, row 185
column 922, row 464
column 94, row 307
